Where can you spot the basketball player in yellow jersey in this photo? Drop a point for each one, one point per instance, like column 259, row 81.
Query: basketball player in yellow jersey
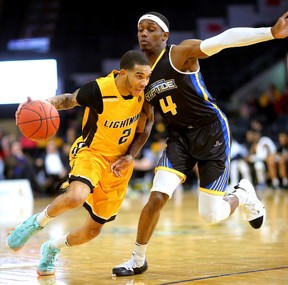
column 116, row 124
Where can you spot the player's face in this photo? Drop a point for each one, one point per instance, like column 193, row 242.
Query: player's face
column 137, row 79
column 150, row 35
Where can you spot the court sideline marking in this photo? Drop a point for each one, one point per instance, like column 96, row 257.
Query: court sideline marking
column 223, row 275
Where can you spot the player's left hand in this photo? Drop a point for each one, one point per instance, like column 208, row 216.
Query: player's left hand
column 121, row 164
column 19, row 108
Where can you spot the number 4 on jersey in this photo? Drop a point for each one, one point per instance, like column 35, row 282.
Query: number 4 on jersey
column 169, row 106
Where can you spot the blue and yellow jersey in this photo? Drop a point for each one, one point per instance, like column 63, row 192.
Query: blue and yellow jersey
column 181, row 97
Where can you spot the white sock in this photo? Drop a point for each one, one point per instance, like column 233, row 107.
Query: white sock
column 60, row 242
column 140, row 249
column 43, row 218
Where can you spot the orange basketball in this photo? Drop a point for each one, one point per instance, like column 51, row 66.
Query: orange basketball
column 38, row 120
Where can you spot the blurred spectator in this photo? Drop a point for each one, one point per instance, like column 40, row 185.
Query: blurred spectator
column 2, row 168
column 239, row 167
column 268, row 102
column 52, row 166
column 6, row 141
column 29, row 147
column 70, row 135
column 19, row 166
column 259, row 149
column 240, row 121
column 2, row 154
column 277, row 163
column 282, row 105
column 256, row 125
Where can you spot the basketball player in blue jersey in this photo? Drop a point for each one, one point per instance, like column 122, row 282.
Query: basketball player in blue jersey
column 115, row 115
column 198, row 130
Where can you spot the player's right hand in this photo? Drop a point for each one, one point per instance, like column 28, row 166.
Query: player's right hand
column 20, row 107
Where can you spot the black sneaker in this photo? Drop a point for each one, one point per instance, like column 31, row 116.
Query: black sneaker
column 130, row 267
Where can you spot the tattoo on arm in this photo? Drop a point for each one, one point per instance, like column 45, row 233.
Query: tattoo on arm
column 64, row 101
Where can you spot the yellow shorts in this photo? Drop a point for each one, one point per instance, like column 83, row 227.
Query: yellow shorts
column 107, row 190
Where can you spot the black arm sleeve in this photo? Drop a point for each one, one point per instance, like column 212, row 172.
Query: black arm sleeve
column 89, row 95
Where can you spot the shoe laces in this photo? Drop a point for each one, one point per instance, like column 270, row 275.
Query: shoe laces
column 133, row 262
column 51, row 255
column 30, row 227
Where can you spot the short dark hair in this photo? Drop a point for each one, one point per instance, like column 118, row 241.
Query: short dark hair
column 162, row 17
column 131, row 58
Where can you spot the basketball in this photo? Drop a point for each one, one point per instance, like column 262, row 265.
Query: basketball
column 38, row 120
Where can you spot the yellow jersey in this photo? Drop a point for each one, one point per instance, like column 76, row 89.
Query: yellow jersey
column 112, row 131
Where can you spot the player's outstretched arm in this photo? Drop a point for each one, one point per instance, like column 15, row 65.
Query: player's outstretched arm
column 194, row 49
column 238, row 37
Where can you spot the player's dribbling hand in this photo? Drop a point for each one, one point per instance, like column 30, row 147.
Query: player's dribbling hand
column 20, row 107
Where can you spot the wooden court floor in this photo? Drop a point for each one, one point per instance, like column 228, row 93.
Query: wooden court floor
column 184, row 250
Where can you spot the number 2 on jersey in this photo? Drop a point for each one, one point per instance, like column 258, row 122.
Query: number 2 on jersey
column 126, row 133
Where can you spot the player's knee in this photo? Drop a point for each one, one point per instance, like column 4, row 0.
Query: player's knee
column 212, row 208
column 76, row 194
column 211, row 217
column 72, row 200
column 157, row 200
column 94, row 232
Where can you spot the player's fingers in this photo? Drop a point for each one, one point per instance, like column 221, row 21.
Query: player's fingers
column 17, row 113
column 117, row 173
column 19, row 108
column 113, row 166
column 16, row 118
column 285, row 15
